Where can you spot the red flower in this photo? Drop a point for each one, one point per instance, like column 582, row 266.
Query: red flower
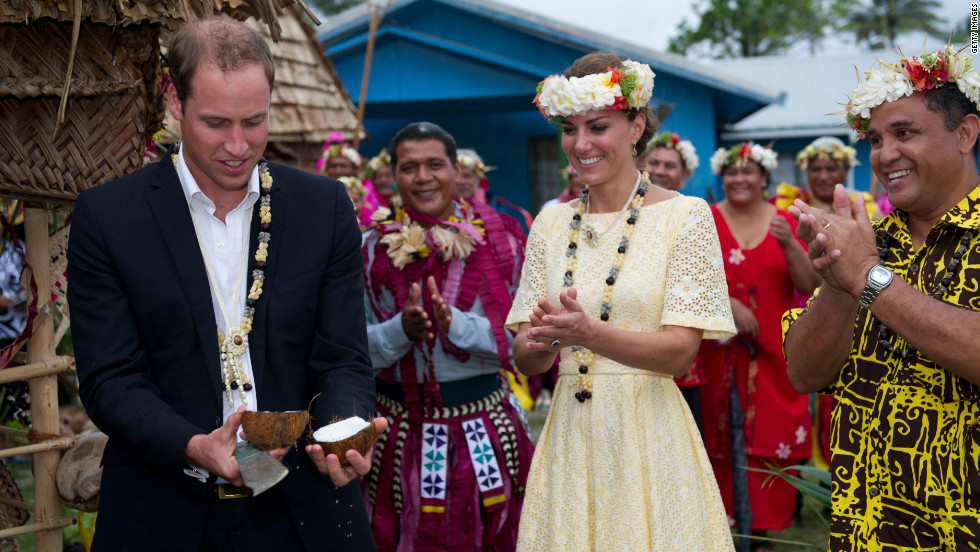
column 675, row 139
column 919, row 75
column 614, row 79
column 745, row 152
column 620, row 104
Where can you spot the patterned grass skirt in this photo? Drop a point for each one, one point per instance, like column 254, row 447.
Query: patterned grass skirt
column 451, row 480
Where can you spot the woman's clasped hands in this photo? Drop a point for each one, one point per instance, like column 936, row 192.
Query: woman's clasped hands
column 554, row 327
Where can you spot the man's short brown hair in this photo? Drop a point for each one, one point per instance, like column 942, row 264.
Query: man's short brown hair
column 220, row 42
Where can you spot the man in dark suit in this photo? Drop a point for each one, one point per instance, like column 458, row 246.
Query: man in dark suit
column 175, row 334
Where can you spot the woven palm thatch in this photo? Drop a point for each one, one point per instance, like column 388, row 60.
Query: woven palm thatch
column 58, row 138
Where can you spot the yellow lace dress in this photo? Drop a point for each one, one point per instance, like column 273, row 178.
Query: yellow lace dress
column 626, row 470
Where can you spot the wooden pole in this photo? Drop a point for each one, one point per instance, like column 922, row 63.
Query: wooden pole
column 43, row 389
column 366, row 76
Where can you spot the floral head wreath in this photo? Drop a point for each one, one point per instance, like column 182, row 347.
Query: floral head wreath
column 684, row 147
column 628, row 86
column 335, row 147
column 469, row 162
column 354, row 184
column 383, row 159
column 890, row 81
column 567, row 172
column 741, row 154
column 827, row 149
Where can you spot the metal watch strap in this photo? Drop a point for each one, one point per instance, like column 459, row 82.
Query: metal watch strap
column 868, row 295
column 872, row 288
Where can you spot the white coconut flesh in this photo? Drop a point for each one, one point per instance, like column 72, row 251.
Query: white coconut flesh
column 338, row 431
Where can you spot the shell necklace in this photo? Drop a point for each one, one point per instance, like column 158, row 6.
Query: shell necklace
column 234, row 345
column 583, row 356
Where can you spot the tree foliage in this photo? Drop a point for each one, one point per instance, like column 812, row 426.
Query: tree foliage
column 879, row 22
column 746, row 28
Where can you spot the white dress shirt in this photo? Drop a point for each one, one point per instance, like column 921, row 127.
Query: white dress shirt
column 224, row 244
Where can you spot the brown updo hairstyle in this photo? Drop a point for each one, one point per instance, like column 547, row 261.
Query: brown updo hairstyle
column 600, row 62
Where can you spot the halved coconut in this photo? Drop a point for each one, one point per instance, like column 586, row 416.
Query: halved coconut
column 338, row 437
column 271, row 430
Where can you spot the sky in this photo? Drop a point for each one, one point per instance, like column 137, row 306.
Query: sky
column 655, row 25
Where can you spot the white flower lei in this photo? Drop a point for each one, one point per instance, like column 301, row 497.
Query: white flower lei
column 892, row 81
column 630, row 86
column 408, row 243
column 765, row 157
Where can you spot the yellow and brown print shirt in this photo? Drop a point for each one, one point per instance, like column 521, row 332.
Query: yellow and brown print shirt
column 905, row 432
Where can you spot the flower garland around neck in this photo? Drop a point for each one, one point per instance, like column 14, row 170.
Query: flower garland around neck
column 684, row 147
column 586, row 358
column 885, row 334
column 741, row 154
column 234, row 345
column 628, row 86
column 408, row 241
column 890, row 81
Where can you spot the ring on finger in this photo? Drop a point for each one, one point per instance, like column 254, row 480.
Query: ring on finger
column 555, row 343
column 826, row 226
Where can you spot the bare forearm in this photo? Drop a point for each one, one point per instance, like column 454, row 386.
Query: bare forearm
column 818, row 343
column 669, row 352
column 528, row 361
column 944, row 333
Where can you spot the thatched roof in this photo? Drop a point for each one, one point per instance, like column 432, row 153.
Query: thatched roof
column 308, row 99
column 169, row 13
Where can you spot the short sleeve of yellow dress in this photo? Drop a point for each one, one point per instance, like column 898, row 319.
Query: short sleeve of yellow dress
column 626, row 469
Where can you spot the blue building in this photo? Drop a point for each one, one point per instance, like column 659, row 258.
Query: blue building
column 472, row 68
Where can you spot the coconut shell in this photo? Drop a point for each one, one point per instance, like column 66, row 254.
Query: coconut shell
column 361, row 441
column 272, row 430
column 78, row 476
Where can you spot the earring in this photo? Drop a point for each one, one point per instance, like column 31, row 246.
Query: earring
column 634, row 150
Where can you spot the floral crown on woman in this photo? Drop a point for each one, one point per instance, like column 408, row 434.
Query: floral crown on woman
column 628, row 86
column 684, row 147
column 383, row 159
column 743, row 153
column 827, row 149
column 469, row 162
column 354, row 184
column 891, row 81
column 335, row 147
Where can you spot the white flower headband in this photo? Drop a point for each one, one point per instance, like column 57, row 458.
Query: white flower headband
column 740, row 154
column 629, row 86
column 891, row 81
column 829, row 151
column 684, row 147
column 474, row 164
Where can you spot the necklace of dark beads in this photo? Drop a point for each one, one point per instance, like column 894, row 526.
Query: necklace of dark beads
column 884, row 334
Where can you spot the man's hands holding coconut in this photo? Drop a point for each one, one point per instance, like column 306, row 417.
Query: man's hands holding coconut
column 567, row 323
column 355, row 465
column 215, row 451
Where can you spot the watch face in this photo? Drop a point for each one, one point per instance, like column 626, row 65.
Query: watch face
column 880, row 275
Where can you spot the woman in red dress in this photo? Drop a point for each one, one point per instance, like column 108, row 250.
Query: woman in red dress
column 752, row 415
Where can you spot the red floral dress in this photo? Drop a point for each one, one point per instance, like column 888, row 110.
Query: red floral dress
column 776, row 425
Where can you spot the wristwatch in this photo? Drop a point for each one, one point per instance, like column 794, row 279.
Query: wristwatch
column 878, row 279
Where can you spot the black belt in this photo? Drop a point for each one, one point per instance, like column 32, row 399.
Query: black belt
column 227, row 490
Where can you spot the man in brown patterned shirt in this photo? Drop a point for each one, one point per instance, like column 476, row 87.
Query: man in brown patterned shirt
column 893, row 333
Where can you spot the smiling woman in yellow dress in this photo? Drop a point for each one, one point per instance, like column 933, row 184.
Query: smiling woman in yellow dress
column 624, row 283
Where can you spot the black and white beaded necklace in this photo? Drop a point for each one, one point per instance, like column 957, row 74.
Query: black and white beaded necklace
column 885, row 334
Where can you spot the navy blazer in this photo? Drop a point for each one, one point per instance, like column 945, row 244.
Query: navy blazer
column 146, row 349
